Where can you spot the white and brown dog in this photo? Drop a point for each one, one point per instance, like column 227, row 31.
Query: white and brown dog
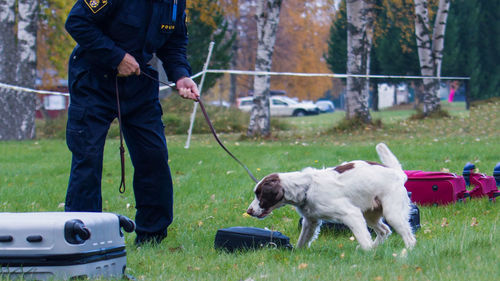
column 357, row 193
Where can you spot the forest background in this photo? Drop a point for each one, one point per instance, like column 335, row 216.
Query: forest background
column 311, row 38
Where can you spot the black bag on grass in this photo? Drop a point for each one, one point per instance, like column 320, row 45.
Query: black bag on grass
column 241, row 238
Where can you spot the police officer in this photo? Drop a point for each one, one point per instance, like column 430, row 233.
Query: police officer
column 116, row 40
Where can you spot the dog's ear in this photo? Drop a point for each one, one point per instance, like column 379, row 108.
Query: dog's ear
column 269, row 191
column 295, row 186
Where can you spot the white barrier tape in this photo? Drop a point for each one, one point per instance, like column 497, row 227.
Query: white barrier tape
column 23, row 89
column 332, row 75
column 44, row 92
column 249, row 72
column 172, row 85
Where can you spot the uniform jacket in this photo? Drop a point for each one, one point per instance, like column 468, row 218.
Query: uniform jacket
column 107, row 29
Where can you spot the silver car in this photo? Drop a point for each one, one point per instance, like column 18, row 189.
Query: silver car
column 281, row 106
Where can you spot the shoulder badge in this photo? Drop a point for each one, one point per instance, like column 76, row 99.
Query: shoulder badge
column 96, row 5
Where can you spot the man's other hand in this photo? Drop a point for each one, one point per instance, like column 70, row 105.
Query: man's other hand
column 187, row 88
column 128, row 66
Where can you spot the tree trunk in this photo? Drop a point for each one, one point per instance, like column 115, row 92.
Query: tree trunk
column 26, row 42
column 268, row 13
column 359, row 41
column 233, row 88
column 375, row 95
column 17, row 115
column 17, row 108
column 7, row 42
column 430, row 50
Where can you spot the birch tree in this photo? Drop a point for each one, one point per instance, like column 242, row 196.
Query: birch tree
column 430, row 44
column 268, row 15
column 17, row 108
column 7, row 41
column 360, row 22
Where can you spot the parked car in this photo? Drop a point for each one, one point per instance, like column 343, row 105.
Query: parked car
column 281, row 106
column 325, row 106
column 221, row 103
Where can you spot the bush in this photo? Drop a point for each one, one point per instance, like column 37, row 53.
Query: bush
column 438, row 114
column 355, row 124
column 51, row 128
column 176, row 118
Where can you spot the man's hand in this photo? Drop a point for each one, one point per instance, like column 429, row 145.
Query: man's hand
column 187, row 88
column 128, row 66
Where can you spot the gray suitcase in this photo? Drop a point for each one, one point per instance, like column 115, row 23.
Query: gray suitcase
column 62, row 246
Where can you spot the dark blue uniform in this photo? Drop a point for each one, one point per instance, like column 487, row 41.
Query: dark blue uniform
column 105, row 31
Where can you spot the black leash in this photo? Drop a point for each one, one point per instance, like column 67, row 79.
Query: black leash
column 212, row 129
column 122, row 149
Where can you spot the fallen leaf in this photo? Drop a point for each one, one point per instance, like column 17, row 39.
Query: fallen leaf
column 404, row 253
column 176, row 249
column 444, row 222
column 302, row 265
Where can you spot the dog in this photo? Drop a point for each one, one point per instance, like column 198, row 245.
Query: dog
column 357, row 193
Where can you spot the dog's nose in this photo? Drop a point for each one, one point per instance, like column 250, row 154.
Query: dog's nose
column 250, row 211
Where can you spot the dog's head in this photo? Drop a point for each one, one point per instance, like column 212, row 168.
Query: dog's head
column 269, row 195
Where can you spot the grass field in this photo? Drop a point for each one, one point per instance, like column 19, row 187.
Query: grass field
column 456, row 242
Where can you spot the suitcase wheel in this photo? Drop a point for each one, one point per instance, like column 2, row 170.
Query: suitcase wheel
column 127, row 224
column 75, row 232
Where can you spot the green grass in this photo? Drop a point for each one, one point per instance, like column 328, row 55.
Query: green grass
column 213, row 192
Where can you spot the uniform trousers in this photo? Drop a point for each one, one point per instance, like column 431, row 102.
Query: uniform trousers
column 93, row 107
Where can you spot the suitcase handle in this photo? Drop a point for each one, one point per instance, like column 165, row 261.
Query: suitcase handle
column 6, row 238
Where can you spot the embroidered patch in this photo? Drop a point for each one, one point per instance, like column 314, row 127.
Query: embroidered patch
column 96, row 5
column 167, row 27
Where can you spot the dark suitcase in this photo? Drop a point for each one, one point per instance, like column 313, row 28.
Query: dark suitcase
column 240, row 238
column 62, row 246
column 482, row 185
column 435, row 188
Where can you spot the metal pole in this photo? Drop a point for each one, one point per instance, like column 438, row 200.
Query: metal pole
column 193, row 115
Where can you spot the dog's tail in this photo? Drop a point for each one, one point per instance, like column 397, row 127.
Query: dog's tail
column 387, row 157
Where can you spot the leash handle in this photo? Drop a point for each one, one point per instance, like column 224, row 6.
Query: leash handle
column 121, row 189
column 212, row 129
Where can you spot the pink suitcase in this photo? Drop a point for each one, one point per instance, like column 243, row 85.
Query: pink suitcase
column 435, row 188
column 483, row 186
